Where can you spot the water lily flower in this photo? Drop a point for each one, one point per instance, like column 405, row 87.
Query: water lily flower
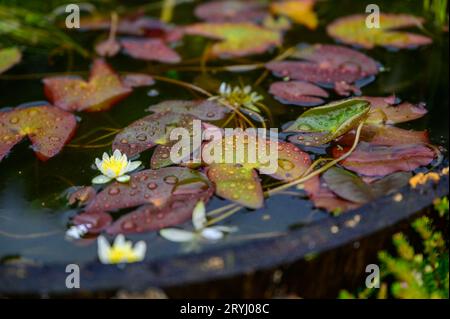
column 114, row 167
column 238, row 96
column 201, row 230
column 77, row 231
column 122, row 251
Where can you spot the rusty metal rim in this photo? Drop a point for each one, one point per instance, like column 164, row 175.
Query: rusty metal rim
column 317, row 237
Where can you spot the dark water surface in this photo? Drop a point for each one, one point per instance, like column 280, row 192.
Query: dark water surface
column 33, row 212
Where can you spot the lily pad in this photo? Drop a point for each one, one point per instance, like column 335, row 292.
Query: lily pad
column 160, row 198
column 150, row 131
column 379, row 160
column 299, row 11
column 231, row 11
column 150, row 50
column 389, row 111
column 47, row 127
column 103, row 89
column 236, row 39
column 353, row 30
column 225, row 172
column 328, row 65
column 134, row 80
column 323, row 124
column 298, row 93
column 202, row 109
column 8, row 58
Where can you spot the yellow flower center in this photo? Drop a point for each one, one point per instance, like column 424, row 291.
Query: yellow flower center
column 122, row 254
column 116, row 166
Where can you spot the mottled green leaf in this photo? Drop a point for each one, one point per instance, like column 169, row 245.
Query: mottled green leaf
column 8, row 58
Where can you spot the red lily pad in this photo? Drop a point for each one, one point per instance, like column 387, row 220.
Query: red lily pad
column 389, row 111
column 298, row 93
column 202, row 109
column 47, row 127
column 353, row 30
column 161, row 198
column 150, row 131
column 328, row 65
column 150, row 50
column 103, row 89
column 379, row 160
column 324, row 198
column 236, row 39
column 231, row 11
column 386, row 135
column 8, row 58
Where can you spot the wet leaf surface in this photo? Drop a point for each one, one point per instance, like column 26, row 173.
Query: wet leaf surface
column 328, row 65
column 201, row 109
column 298, row 93
column 158, row 199
column 323, row 124
column 149, row 131
column 389, row 110
column 299, row 11
column 150, row 50
column 47, row 127
column 231, row 11
column 379, row 160
column 8, row 58
column 134, row 80
column 103, row 89
column 236, row 39
column 352, row 30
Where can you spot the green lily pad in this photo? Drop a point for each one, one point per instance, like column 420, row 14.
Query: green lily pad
column 8, row 58
column 236, row 39
column 353, row 30
column 323, row 124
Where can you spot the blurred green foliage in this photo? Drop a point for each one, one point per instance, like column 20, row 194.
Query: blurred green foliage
column 415, row 272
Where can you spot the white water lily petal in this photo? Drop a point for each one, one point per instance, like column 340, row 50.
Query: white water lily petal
column 133, row 166
column 123, row 179
column 105, row 156
column 211, row 234
column 98, row 163
column 101, row 179
column 140, row 248
column 103, row 249
column 119, row 240
column 225, row 229
column 177, row 235
column 199, row 216
column 117, row 154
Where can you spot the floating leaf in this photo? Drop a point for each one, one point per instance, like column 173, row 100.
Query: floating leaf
column 385, row 135
column 237, row 183
column 387, row 110
column 323, row 124
column 150, row 50
column 201, row 109
column 299, row 11
column 324, row 198
column 8, row 58
column 298, row 93
column 239, row 159
column 47, row 127
column 378, row 160
column 160, row 198
column 231, row 11
column 236, row 39
column 353, row 30
column 328, row 65
column 135, row 80
column 351, row 187
column 149, row 131
column 103, row 89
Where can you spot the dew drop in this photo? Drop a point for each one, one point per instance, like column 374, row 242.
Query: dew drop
column 114, row 191
column 171, row 179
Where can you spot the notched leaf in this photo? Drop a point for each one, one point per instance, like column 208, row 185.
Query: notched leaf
column 150, row 50
column 298, row 93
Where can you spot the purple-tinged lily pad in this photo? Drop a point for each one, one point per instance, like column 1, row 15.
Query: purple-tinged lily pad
column 379, row 160
column 231, row 11
column 48, row 128
column 160, row 198
column 389, row 111
column 298, row 93
column 328, row 65
column 353, row 30
column 202, row 109
column 150, row 50
column 135, row 80
column 236, row 39
column 103, row 89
